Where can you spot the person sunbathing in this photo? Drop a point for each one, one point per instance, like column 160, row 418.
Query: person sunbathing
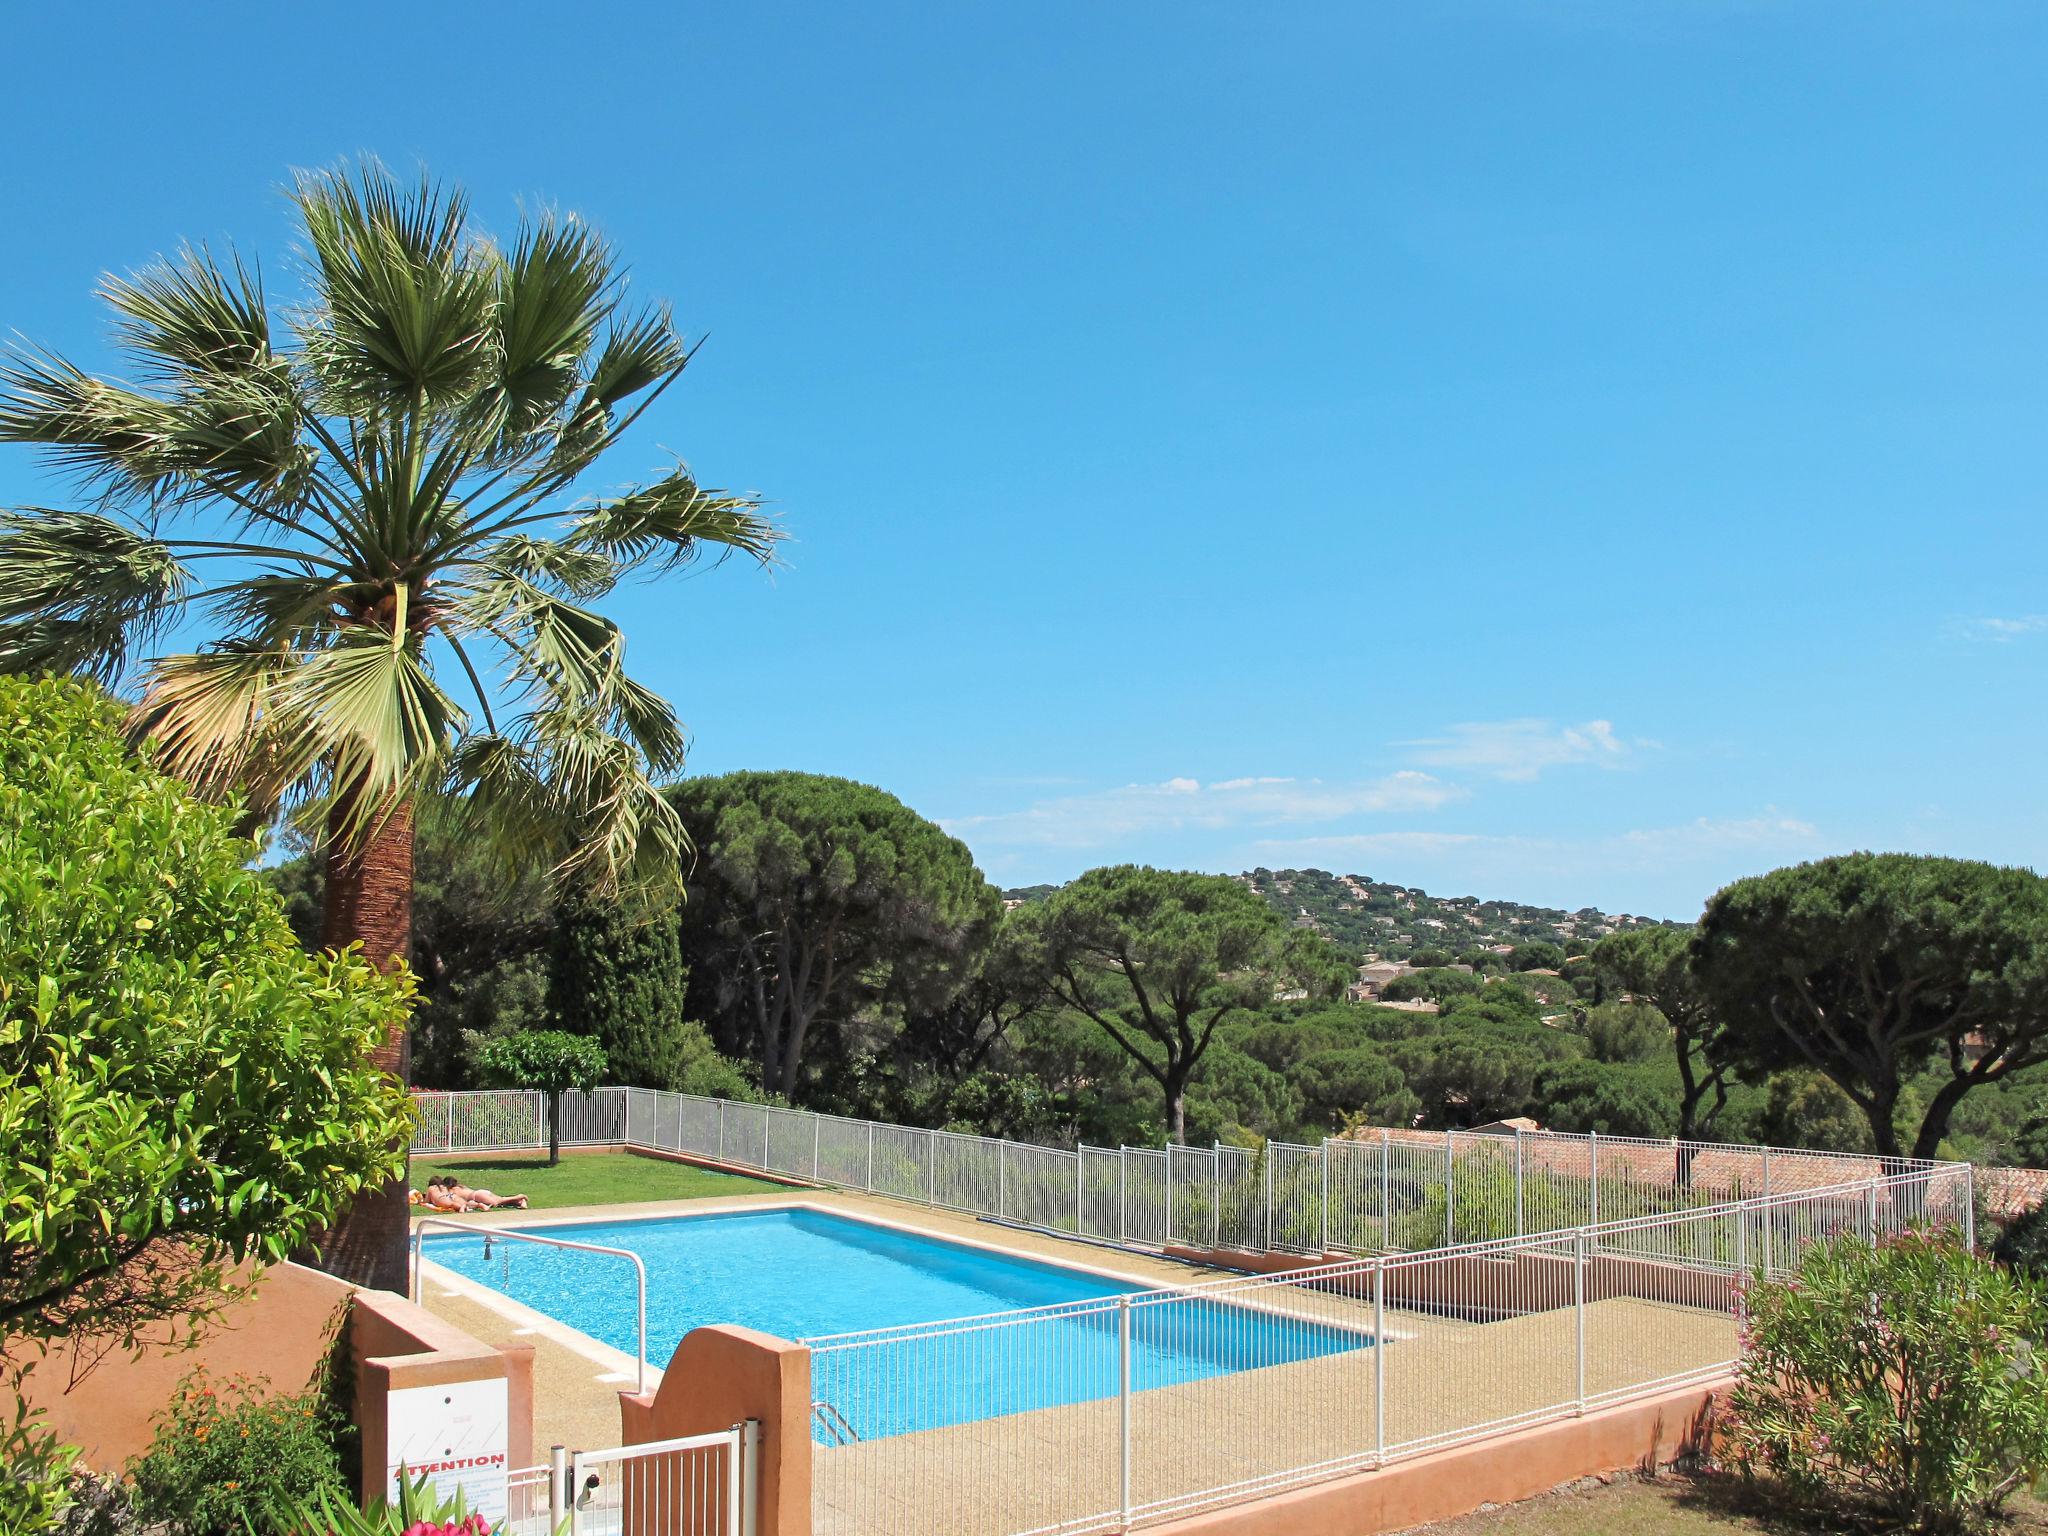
column 440, row 1197
column 483, row 1199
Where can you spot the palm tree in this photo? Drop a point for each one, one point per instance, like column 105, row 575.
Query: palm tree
column 357, row 497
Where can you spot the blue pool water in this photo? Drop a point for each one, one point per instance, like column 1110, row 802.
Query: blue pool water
column 802, row 1274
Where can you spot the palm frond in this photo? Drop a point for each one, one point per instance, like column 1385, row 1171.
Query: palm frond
column 553, row 294
column 562, row 786
column 579, row 573
column 189, row 321
column 281, row 609
column 666, row 524
column 385, row 726
column 639, row 353
column 575, row 660
column 405, row 301
column 220, row 720
column 236, row 438
column 79, row 590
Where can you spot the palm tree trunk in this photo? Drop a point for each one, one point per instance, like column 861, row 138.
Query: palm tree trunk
column 369, row 901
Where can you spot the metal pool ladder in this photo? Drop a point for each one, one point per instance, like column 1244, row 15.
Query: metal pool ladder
column 838, row 1428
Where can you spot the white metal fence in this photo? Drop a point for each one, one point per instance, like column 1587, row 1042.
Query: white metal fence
column 1383, row 1191
column 1506, row 1280
column 1131, row 1409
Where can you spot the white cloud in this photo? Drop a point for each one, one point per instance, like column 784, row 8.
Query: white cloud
column 1521, row 749
column 1105, row 816
column 2005, row 629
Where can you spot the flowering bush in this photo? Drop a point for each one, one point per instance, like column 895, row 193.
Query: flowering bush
column 229, row 1461
column 1903, row 1378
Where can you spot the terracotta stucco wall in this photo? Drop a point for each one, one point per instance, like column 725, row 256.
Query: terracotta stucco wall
column 724, row 1376
column 281, row 1332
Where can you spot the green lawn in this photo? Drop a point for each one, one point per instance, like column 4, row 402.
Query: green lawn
column 1670, row 1506
column 586, row 1178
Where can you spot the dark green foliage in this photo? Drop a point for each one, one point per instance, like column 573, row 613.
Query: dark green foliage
column 230, row 1460
column 809, row 895
column 1626, row 1032
column 552, row 1061
column 1874, row 967
column 1159, row 958
column 1537, row 955
column 1655, row 966
column 1804, row 1109
column 1435, row 985
column 615, row 972
column 2024, row 1243
column 1615, row 1100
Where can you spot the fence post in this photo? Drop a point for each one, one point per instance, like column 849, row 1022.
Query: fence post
column 1770, row 1213
column 1596, row 1181
column 1267, row 1237
column 1386, row 1189
column 721, row 1130
column 1379, row 1361
column 1080, row 1190
column 1970, row 1208
column 1450, row 1205
column 1002, row 1179
column 449, row 1144
column 750, row 1477
column 1215, row 1194
column 817, row 1126
column 1741, row 1240
column 1518, row 1181
column 1324, row 1247
column 931, row 1167
column 1579, row 1314
column 558, row 1486
column 1167, row 1235
column 1123, row 1410
column 1870, row 1212
column 871, row 1157
column 1123, row 1161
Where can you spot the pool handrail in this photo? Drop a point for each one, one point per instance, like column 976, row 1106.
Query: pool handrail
column 419, row 1232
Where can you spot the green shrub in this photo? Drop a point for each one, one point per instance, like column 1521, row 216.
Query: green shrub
column 36, row 1471
column 2024, row 1244
column 1900, row 1380
column 181, row 1086
column 230, row 1461
column 418, row 1511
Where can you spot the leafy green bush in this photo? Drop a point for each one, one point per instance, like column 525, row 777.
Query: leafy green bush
column 230, row 1461
column 36, row 1473
column 181, row 1086
column 1901, row 1379
column 2024, row 1244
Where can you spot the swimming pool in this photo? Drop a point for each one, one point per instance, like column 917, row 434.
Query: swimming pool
column 805, row 1274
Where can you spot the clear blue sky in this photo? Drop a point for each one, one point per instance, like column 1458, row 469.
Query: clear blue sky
column 1576, row 452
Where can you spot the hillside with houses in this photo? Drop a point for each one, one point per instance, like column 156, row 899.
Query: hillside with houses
column 1369, row 918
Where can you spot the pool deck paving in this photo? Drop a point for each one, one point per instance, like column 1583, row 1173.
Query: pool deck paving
column 1052, row 1466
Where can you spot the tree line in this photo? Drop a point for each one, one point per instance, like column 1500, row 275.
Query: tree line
column 829, row 947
